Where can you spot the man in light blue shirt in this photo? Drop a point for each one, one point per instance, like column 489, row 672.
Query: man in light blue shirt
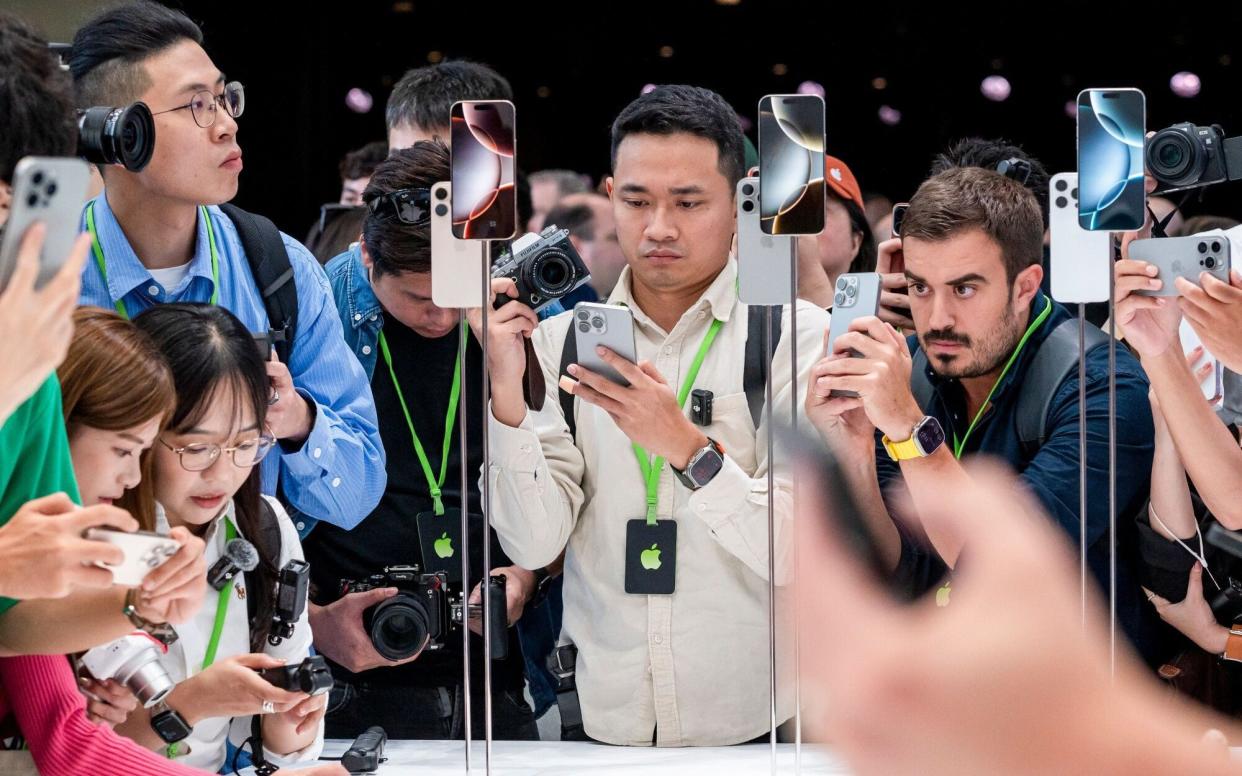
column 160, row 237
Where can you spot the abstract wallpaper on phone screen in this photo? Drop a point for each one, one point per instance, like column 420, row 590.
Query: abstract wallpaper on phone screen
column 1110, row 160
column 484, row 201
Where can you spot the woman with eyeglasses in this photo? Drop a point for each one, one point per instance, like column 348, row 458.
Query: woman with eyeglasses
column 206, row 480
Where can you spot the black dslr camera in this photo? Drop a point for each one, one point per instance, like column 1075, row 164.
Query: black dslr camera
column 1185, row 156
column 124, row 136
column 312, row 676
column 426, row 611
column 292, row 587
column 544, row 266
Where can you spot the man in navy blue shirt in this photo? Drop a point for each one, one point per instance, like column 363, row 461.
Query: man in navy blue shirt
column 158, row 236
column 971, row 248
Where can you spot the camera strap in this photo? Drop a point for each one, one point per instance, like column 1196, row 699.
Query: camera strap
column 97, row 249
column 651, row 469
column 436, row 485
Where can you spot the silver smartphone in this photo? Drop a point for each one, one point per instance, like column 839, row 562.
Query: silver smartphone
column 1080, row 260
column 457, row 266
column 51, row 190
column 609, row 325
column 856, row 295
column 1183, row 257
column 764, row 261
column 144, row 552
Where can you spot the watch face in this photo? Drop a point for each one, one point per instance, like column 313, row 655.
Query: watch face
column 705, row 468
column 929, row 435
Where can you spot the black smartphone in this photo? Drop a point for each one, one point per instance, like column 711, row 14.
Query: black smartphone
column 791, row 164
column 1111, row 126
column 483, row 170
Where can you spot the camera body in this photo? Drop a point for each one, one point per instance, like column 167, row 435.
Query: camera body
column 292, row 587
column 134, row 661
column 425, row 611
column 1185, row 156
column 544, row 266
column 122, row 135
column 312, row 676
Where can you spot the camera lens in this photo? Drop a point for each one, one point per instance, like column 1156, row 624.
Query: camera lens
column 145, row 676
column 851, row 291
column 1210, row 262
column 124, row 136
column 398, row 626
column 1202, row 247
column 1176, row 157
column 37, row 179
column 597, row 322
column 51, row 189
column 441, row 194
column 1062, row 185
column 1062, row 201
column 747, row 205
column 32, row 200
column 584, row 327
column 839, row 298
column 442, row 210
column 583, row 315
column 1074, row 193
column 1215, row 247
column 552, row 274
column 748, row 189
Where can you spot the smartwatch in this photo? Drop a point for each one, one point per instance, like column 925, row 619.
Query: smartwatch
column 170, row 726
column 925, row 439
column 702, row 467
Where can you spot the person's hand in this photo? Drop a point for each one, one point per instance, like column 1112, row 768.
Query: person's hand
column 291, row 415
column 507, row 330
column 894, row 294
column 1148, row 322
column 44, row 555
column 881, row 377
column 1215, row 313
column 646, row 411
column 173, row 592
column 841, row 420
column 232, row 687
column 339, row 634
column 519, row 587
column 914, row 688
column 107, row 703
column 36, row 325
column 1192, row 616
column 306, row 715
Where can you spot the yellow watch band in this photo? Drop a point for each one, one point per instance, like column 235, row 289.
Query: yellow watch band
column 902, row 451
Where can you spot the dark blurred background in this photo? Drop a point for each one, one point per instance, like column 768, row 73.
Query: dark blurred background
column 573, row 66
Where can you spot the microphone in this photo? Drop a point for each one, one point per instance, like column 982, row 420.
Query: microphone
column 239, row 555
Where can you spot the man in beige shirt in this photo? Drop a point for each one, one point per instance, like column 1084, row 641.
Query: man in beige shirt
column 686, row 667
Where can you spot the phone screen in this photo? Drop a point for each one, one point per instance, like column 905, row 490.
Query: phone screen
column 791, row 164
column 484, row 197
column 1110, row 159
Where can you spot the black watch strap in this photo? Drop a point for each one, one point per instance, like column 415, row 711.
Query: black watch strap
column 684, row 476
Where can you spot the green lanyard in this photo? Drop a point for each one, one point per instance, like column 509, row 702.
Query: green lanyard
column 435, row 485
column 959, row 446
column 103, row 267
column 222, row 609
column 651, row 469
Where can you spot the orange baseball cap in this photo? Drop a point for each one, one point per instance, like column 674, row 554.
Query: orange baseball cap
column 842, row 181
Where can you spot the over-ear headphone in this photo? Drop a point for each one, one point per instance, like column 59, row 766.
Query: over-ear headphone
column 1016, row 169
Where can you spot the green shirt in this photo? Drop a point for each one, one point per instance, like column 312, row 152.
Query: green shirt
column 34, row 456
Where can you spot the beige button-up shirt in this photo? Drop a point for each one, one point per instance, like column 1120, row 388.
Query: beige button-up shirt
column 691, row 667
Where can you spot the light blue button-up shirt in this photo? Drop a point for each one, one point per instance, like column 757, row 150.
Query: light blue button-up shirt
column 338, row 473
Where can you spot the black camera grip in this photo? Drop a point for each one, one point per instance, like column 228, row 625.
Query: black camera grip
column 498, row 628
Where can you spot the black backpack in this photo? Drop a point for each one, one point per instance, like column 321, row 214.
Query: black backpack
column 754, row 374
column 273, row 274
column 1056, row 358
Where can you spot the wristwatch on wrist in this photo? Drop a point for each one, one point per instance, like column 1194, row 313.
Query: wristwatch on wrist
column 925, row 439
column 1233, row 645
column 702, row 466
column 543, row 581
column 163, row 632
column 169, row 725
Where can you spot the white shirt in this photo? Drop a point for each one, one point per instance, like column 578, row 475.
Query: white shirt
column 171, row 277
column 207, row 742
column 693, row 665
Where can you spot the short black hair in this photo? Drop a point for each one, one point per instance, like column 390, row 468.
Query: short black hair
column 990, row 152
column 425, row 95
column 668, row 110
column 361, row 162
column 578, row 219
column 36, row 98
column 393, row 245
column 108, row 51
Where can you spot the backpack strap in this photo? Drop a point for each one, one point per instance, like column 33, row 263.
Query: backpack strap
column 273, row 274
column 758, row 359
column 1057, row 357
